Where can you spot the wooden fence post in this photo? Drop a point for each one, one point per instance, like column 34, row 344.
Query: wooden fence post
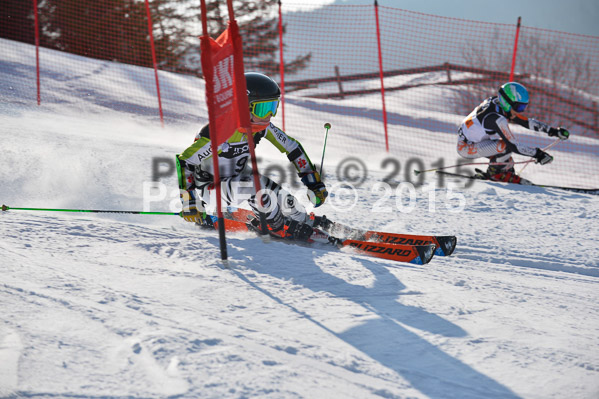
column 448, row 69
column 339, row 82
column 596, row 116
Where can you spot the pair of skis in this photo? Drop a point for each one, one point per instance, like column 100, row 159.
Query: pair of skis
column 415, row 249
column 409, row 248
column 594, row 191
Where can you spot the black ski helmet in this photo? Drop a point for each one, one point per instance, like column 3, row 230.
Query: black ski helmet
column 260, row 87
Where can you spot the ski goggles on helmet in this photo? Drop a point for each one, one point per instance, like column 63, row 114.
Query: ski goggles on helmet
column 261, row 109
column 516, row 106
column 519, row 107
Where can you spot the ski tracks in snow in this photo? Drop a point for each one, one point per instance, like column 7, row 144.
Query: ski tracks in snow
column 102, row 302
column 123, row 309
column 10, row 351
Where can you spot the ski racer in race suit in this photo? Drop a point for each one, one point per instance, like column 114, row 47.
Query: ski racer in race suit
column 485, row 133
column 195, row 166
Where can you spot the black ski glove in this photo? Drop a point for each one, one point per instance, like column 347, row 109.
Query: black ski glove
column 314, row 184
column 559, row 132
column 542, row 157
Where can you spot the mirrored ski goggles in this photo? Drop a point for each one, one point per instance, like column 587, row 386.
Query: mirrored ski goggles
column 516, row 106
column 519, row 107
column 261, row 109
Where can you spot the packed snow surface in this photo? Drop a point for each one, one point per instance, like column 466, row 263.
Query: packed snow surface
column 137, row 306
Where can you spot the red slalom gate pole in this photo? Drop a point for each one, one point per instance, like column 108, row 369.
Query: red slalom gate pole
column 37, row 51
column 515, row 50
column 244, row 116
column 150, row 31
column 378, row 40
column 281, row 65
column 208, row 71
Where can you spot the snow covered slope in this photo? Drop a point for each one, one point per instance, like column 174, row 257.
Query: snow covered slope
column 141, row 306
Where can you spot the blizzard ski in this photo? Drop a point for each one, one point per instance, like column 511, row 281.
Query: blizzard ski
column 415, row 254
column 444, row 245
column 594, row 191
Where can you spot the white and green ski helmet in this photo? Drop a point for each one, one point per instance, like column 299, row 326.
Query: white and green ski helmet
column 514, row 96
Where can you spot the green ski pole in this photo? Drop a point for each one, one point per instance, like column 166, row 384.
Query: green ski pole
column 6, row 208
column 326, row 126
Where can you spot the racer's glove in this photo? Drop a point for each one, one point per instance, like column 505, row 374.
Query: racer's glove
column 559, row 132
column 190, row 210
column 191, row 214
column 194, row 215
column 314, row 184
column 542, row 157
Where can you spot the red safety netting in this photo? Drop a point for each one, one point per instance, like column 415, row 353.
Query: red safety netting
column 128, row 58
column 435, row 70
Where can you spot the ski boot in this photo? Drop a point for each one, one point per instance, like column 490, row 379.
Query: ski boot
column 205, row 221
column 297, row 231
column 482, row 175
column 507, row 175
column 284, row 228
column 321, row 222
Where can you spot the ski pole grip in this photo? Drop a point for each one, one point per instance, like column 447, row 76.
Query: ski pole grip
column 5, row 208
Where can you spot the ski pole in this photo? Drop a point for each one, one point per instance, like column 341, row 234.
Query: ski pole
column 326, row 126
column 6, row 208
column 544, row 149
column 417, row 172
